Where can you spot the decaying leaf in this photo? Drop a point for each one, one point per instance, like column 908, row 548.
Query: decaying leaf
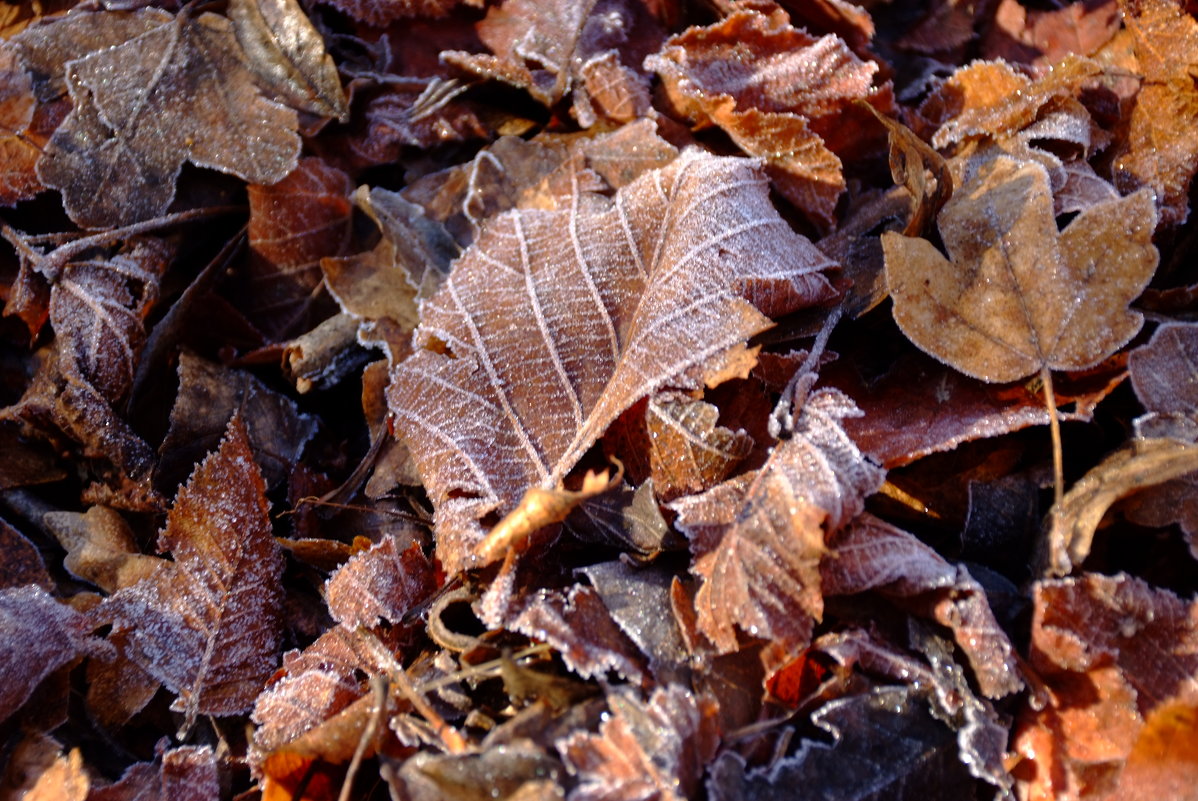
column 688, row 452
column 383, row 583
column 286, row 52
column 780, row 93
column 135, row 120
column 1017, row 296
column 530, row 349
column 645, row 749
column 383, row 288
column 208, row 625
column 759, row 538
column 294, row 223
column 1143, row 463
column 40, row 636
column 1159, row 152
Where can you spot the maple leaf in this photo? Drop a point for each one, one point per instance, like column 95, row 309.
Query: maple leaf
column 1019, row 296
column 530, row 350
column 208, row 625
column 136, row 119
column 759, row 538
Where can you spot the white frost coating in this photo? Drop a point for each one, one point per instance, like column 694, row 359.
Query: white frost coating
column 558, row 320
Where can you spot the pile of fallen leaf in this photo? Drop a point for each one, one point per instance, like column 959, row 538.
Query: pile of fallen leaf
column 598, row 399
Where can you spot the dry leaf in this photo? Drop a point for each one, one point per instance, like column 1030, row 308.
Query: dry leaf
column 381, row 13
column 187, row 773
column 759, row 538
column 208, row 625
column 100, row 548
column 655, row 749
column 135, row 121
column 286, row 52
column 688, row 452
column 1159, row 151
column 530, row 350
column 1018, row 296
column 1045, row 36
column 1164, row 372
column 1143, row 463
column 384, row 287
column 872, row 554
column 41, row 635
column 1163, row 761
column 65, row 780
column 22, row 562
column 778, row 92
column 18, row 150
column 294, row 223
column 383, row 583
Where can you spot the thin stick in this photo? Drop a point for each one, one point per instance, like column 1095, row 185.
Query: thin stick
column 1054, row 426
column 378, row 687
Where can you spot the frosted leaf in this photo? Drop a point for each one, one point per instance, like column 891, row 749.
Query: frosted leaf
column 382, row 583
column 208, row 625
column 559, row 319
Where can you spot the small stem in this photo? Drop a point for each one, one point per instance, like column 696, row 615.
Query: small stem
column 378, row 687
column 1054, row 427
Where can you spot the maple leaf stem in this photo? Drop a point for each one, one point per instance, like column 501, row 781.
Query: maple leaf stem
column 1054, row 427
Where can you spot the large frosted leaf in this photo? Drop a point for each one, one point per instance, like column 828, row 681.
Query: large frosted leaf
column 557, row 320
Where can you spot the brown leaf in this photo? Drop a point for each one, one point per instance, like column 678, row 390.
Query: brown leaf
column 530, row 350
column 688, row 452
column 1019, row 296
column 117, row 687
column 22, row 561
column 383, row 583
column 65, row 780
column 1164, row 372
column 993, row 99
column 137, row 119
column 384, row 287
column 187, row 773
column 872, row 554
column 288, row 55
column 294, row 223
column 18, row 152
column 518, row 771
column 1162, row 763
column 611, row 92
column 1112, row 650
column 1159, row 152
column 778, row 92
column 208, row 625
column 382, row 13
column 1045, row 36
column 40, row 636
column 759, row 538
column 624, row 518
column 910, row 160
column 208, row 396
column 644, row 749
column 1142, row 463
column 100, row 548
column 578, row 626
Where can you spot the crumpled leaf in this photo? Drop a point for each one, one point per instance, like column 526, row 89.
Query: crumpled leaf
column 530, row 350
column 100, row 548
column 136, row 119
column 384, row 287
column 576, row 623
column 208, row 624
column 1142, row 463
column 1018, row 296
column 294, row 223
column 383, row 583
column 645, row 749
column 41, row 635
column 1158, row 151
column 208, row 396
column 1111, row 650
column 65, row 780
column 780, row 93
column 286, row 52
column 872, row 554
column 759, row 538
column 885, row 745
column 625, row 518
column 688, row 452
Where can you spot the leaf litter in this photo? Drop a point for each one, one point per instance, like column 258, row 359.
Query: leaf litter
column 597, row 400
